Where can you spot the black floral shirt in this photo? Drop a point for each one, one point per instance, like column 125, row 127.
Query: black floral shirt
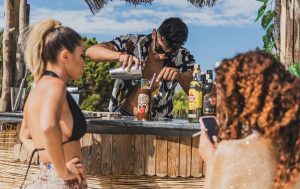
column 163, row 98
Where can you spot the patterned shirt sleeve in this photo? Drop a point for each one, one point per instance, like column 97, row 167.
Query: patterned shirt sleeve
column 185, row 60
column 125, row 43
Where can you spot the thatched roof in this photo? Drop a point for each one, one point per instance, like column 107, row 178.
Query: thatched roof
column 96, row 5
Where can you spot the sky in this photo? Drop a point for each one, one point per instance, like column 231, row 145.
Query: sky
column 215, row 33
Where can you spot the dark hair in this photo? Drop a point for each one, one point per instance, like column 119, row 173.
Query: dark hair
column 57, row 39
column 256, row 90
column 174, row 31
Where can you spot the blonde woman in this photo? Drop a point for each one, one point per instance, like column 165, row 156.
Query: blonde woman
column 53, row 123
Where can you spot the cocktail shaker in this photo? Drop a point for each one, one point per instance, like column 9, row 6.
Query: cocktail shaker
column 120, row 73
column 134, row 73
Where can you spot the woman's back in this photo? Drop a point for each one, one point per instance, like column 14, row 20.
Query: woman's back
column 248, row 163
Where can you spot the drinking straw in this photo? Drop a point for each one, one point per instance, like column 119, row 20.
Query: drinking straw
column 153, row 77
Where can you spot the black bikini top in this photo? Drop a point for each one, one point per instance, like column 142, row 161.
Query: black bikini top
column 79, row 123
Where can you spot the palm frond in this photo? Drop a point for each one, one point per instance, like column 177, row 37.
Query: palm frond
column 96, row 5
column 203, row 3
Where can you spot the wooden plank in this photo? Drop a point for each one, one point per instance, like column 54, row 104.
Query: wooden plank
column 289, row 51
column 128, row 155
column 96, row 154
column 283, row 32
column 117, row 154
column 161, row 165
column 139, row 155
column 173, row 157
column 185, row 156
column 86, row 149
column 150, row 154
column 296, row 7
column 196, row 165
column 106, row 154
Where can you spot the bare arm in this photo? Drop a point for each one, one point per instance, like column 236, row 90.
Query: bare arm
column 103, row 52
column 25, row 136
column 106, row 52
column 50, row 112
column 185, row 79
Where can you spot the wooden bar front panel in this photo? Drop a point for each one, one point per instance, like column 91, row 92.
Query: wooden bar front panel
column 143, row 155
column 150, row 155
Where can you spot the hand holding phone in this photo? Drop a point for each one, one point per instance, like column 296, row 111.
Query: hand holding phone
column 210, row 124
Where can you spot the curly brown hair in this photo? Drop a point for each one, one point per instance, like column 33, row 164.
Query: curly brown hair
column 257, row 92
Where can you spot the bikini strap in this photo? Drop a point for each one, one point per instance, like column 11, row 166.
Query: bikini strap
column 51, row 73
column 30, row 160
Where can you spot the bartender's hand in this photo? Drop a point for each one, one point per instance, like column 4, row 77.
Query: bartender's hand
column 168, row 73
column 128, row 61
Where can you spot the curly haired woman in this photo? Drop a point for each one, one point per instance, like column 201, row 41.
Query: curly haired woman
column 259, row 118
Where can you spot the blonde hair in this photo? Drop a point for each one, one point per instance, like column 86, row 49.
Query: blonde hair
column 45, row 40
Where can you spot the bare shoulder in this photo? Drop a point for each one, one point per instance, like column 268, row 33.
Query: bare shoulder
column 54, row 89
column 253, row 144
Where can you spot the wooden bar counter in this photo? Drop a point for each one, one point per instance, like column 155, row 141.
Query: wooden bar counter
column 128, row 147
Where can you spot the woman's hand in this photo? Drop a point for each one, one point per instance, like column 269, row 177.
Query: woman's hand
column 206, row 147
column 76, row 169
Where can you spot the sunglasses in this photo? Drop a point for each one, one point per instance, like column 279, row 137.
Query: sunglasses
column 159, row 49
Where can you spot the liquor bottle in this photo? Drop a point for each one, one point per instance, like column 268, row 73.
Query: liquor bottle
column 210, row 96
column 195, row 97
column 203, row 79
column 209, row 74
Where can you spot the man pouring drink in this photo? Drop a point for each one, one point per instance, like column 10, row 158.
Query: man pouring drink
column 161, row 54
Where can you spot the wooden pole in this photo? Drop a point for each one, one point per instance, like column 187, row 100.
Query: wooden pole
column 290, row 32
column 277, row 25
column 297, row 31
column 7, row 54
column 283, row 29
column 20, row 64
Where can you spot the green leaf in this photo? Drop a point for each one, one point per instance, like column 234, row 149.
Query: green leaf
column 266, row 39
column 270, row 30
column 295, row 69
column 260, row 12
column 263, row 1
column 267, row 18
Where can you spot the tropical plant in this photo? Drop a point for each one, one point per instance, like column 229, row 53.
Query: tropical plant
column 95, row 84
column 295, row 69
column 266, row 14
column 181, row 104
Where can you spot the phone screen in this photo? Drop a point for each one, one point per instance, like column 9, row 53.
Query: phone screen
column 211, row 125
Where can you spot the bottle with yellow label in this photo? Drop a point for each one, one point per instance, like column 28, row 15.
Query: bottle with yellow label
column 195, row 97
